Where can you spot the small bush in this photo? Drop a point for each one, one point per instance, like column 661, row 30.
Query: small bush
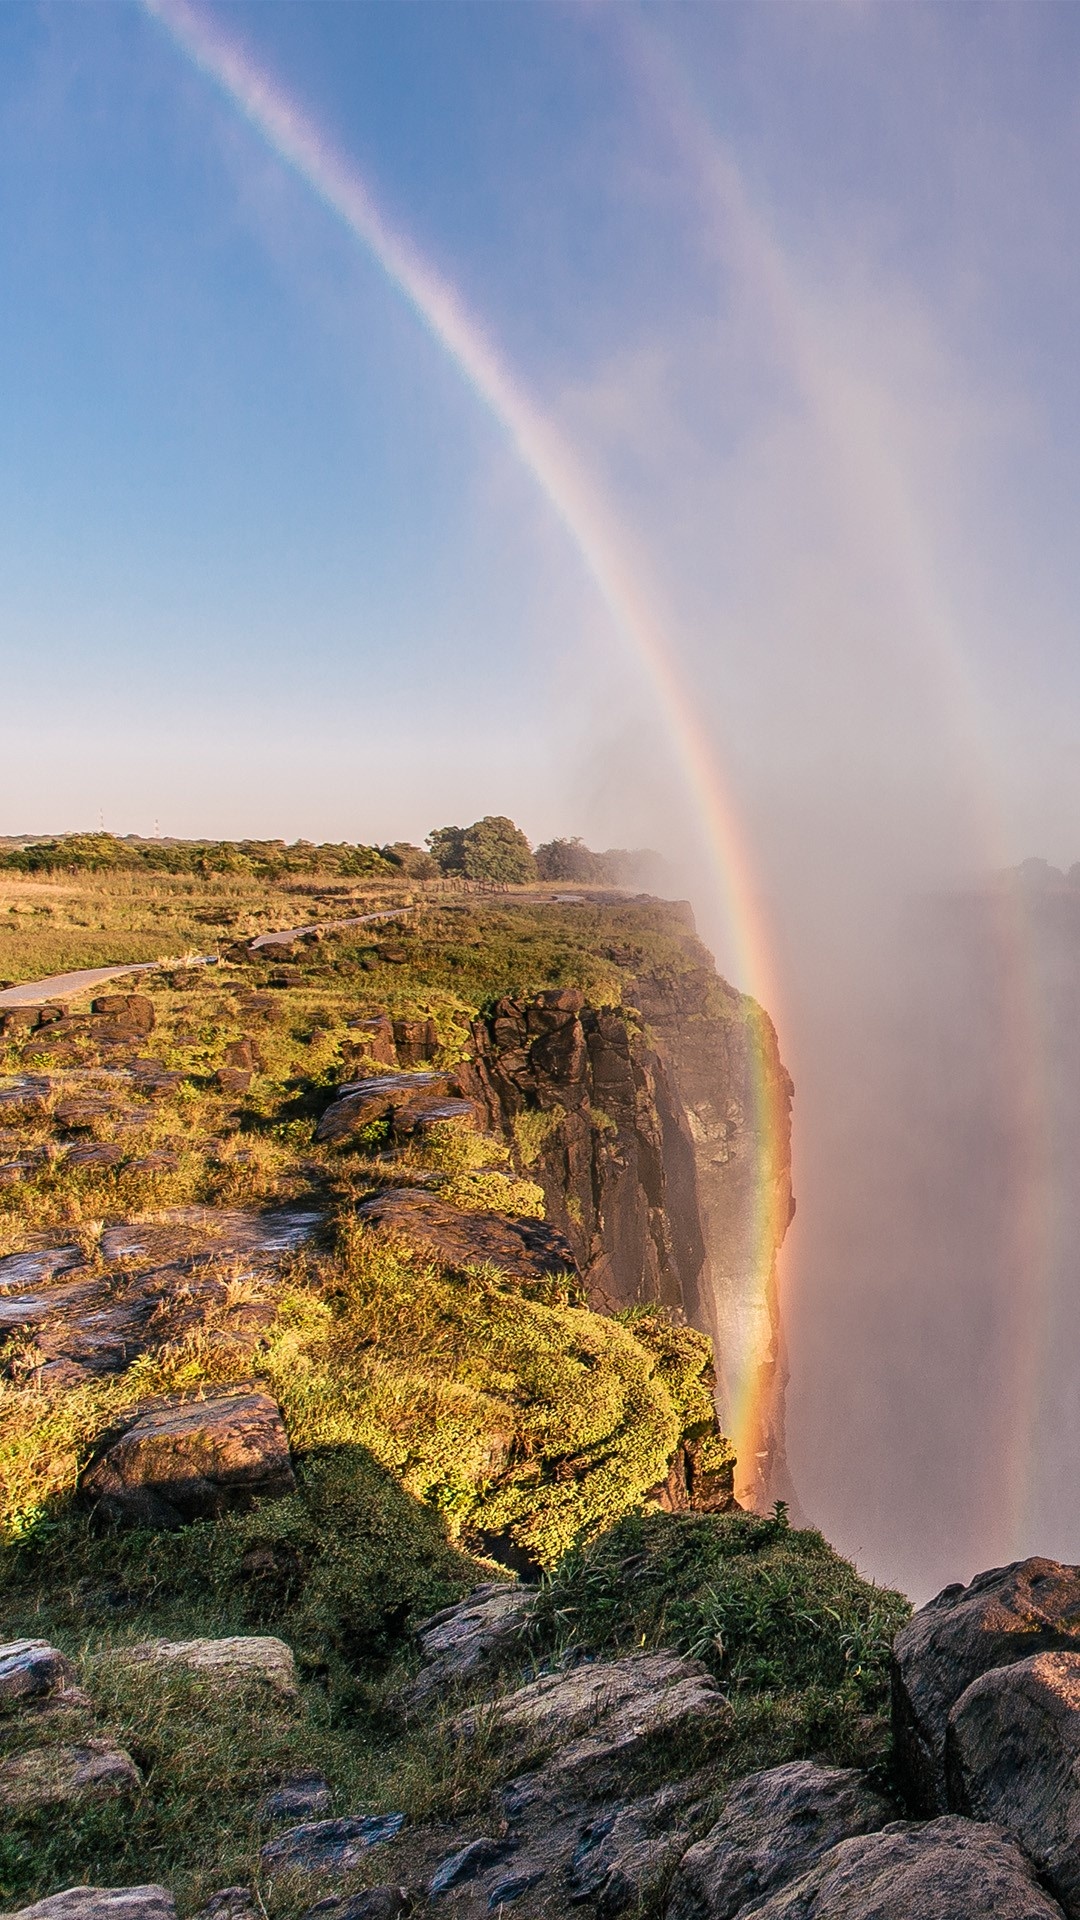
column 533, row 1129
column 768, row 1608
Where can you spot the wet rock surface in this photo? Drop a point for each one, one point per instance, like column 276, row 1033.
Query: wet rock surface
column 1004, row 1615
column 526, row 1249
column 774, row 1826
column 100, row 1324
column 184, row 1460
column 390, row 1097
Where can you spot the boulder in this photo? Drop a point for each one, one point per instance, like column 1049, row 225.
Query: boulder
column 95, row 1153
column 134, row 1011
column 1004, row 1615
column 375, row 1903
column 302, row 1797
column 232, row 1903
column 605, row 1714
column 1013, row 1757
column 66, row 1776
column 101, row 1903
column 183, row 1460
column 321, row 1845
column 232, row 1080
column 237, row 1659
column 949, row 1869
column 415, row 1041
column 462, row 1641
column 524, row 1248
column 375, row 1038
column 245, row 1054
column 32, row 1670
column 364, row 1103
column 466, row 1862
column 774, row 1826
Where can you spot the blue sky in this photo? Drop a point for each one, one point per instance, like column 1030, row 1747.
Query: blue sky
column 267, row 565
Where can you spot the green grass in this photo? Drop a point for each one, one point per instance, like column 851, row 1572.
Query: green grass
column 797, row 1638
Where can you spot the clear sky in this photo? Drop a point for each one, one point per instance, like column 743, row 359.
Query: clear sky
column 797, row 285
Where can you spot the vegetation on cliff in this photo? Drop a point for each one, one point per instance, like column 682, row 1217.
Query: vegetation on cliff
column 446, row 1419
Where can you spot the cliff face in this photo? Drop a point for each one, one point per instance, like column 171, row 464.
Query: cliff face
column 660, row 1133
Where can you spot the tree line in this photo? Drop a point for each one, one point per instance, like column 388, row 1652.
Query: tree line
column 493, row 849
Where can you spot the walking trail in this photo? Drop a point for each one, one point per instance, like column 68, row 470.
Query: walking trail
column 62, row 986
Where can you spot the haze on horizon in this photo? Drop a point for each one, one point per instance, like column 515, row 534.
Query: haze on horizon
column 798, row 288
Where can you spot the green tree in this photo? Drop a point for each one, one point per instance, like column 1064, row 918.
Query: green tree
column 494, row 849
column 568, row 860
column 447, row 848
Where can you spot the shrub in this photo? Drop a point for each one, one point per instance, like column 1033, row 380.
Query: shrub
column 767, row 1607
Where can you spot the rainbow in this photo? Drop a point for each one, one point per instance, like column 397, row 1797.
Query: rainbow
column 597, row 541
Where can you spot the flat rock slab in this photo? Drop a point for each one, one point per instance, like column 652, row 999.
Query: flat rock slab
column 375, row 1903
column 304, row 1796
column 101, row 1903
column 1004, row 1616
column 206, row 1232
column 19, row 1311
column 775, row 1826
column 19, row 1270
column 70, row 1776
column 238, row 1658
column 1014, row 1758
column 190, row 1459
column 523, row 1248
column 319, row 1845
column 24, row 1097
column 32, row 1670
column 949, row 1869
column 604, row 1714
column 462, row 1641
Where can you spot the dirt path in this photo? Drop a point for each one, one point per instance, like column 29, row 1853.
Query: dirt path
column 63, row 986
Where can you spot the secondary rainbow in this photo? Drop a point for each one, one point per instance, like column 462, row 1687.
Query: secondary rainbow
column 573, row 499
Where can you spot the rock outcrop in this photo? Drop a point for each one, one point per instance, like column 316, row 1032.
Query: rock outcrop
column 66, row 1776
column 949, row 1869
column 182, row 1460
column 238, row 1659
column 596, row 1721
column 101, row 1903
column 1014, row 1758
column 1005, row 1615
column 774, row 1827
column 32, row 1670
column 660, row 1134
column 463, row 1641
column 524, row 1248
